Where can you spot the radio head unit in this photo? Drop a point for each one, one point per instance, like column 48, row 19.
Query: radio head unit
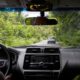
column 42, row 62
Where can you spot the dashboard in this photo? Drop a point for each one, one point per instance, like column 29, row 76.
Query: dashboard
column 43, row 61
column 40, row 62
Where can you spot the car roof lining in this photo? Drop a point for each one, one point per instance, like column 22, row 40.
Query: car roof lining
column 56, row 3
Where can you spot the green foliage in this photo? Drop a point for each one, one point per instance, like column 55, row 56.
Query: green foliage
column 14, row 32
column 77, row 77
column 68, row 28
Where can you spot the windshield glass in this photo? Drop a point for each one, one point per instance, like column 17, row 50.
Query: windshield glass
column 14, row 31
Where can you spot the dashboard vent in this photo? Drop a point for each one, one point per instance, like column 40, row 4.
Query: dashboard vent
column 51, row 50
column 33, row 50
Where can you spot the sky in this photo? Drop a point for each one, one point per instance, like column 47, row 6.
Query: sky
column 28, row 14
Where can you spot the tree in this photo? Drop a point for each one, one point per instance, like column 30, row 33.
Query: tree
column 67, row 30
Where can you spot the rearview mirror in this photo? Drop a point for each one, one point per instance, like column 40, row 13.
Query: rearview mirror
column 40, row 21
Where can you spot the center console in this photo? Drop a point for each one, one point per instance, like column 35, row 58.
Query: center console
column 41, row 63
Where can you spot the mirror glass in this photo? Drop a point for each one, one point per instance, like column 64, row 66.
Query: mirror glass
column 40, row 21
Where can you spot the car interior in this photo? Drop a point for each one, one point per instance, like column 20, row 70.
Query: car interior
column 46, row 59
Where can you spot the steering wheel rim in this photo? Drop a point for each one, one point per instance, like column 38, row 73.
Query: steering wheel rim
column 8, row 59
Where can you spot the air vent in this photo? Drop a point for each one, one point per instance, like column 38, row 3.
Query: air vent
column 33, row 50
column 51, row 50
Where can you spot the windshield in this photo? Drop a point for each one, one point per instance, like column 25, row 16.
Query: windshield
column 14, row 31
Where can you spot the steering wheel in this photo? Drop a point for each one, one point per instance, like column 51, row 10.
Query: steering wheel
column 4, row 60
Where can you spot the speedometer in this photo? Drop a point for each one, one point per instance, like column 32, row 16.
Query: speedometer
column 13, row 55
